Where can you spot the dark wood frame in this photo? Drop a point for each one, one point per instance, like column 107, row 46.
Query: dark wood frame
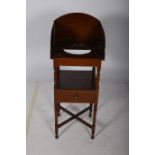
column 77, row 31
column 84, row 96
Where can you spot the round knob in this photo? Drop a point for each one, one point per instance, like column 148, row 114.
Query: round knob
column 76, row 97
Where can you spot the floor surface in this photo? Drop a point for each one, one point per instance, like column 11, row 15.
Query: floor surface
column 111, row 136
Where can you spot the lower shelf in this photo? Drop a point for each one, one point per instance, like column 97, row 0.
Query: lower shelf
column 79, row 80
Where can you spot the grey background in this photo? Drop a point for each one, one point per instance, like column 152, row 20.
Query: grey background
column 112, row 124
column 114, row 17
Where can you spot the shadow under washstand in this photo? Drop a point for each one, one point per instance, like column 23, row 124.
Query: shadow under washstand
column 114, row 118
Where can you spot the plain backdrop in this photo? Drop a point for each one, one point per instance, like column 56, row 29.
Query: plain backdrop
column 39, row 19
column 12, row 62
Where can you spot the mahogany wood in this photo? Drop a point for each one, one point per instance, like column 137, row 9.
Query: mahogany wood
column 77, row 86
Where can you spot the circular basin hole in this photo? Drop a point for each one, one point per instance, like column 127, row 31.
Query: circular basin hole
column 77, row 52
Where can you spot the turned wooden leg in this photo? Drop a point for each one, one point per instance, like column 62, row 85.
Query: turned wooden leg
column 58, row 109
column 94, row 120
column 90, row 110
column 56, row 119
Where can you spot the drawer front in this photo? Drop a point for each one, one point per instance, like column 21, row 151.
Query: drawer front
column 76, row 96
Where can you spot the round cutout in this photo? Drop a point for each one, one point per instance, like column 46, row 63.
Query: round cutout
column 77, row 52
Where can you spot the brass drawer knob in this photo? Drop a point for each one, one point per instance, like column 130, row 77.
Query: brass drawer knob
column 76, row 97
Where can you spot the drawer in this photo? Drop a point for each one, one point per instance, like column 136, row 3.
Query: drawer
column 76, row 96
